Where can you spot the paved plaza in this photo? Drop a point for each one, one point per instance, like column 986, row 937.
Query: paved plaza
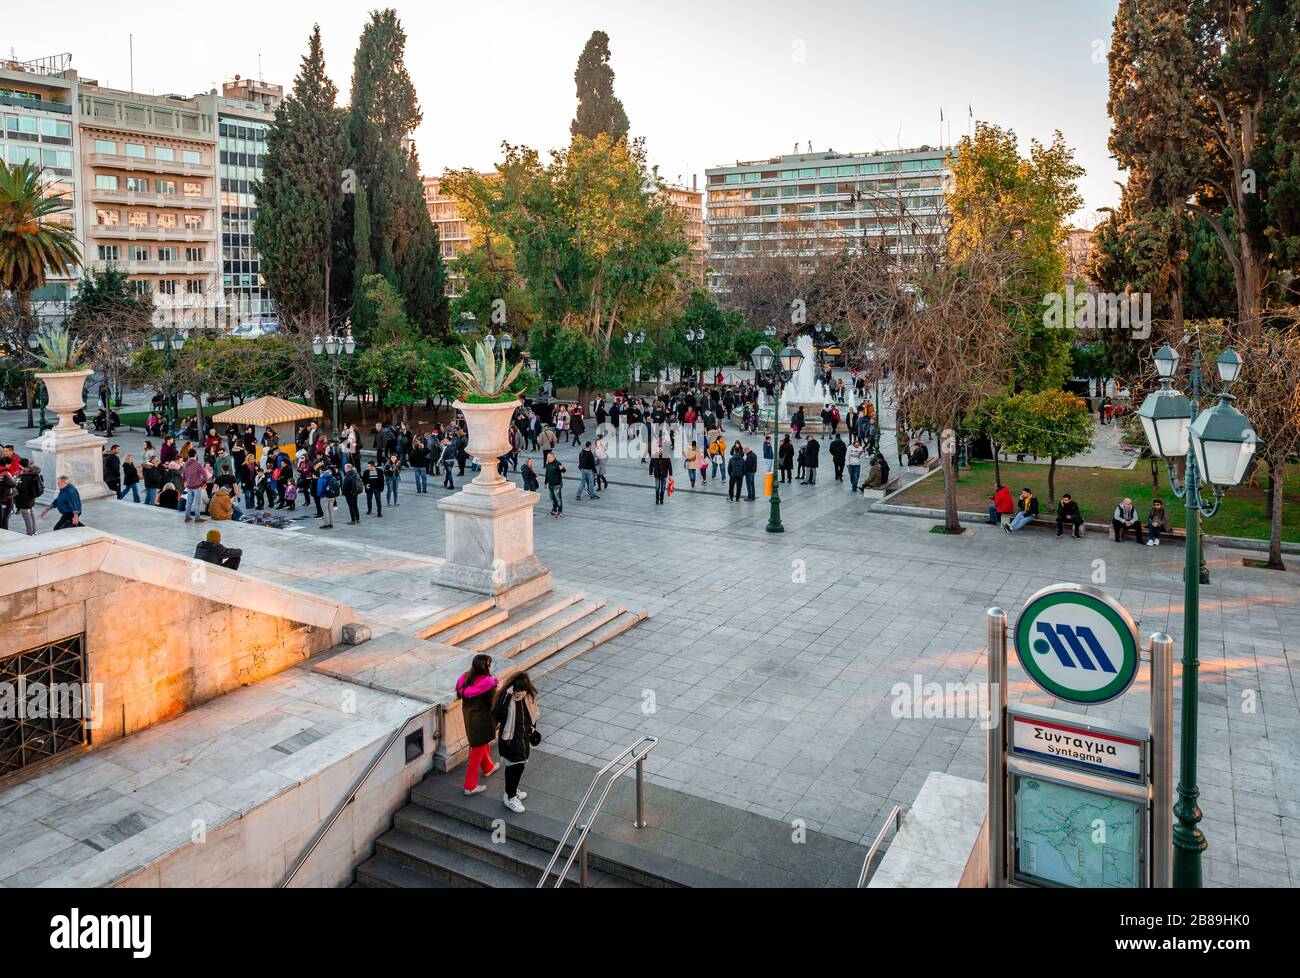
column 767, row 664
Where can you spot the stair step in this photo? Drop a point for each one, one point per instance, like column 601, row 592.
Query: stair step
column 537, row 654
column 455, row 615
column 511, row 854
column 447, row 865
column 380, row 873
column 516, row 645
column 473, row 626
column 598, row 637
column 525, row 616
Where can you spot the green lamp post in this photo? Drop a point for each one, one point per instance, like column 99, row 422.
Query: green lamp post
column 165, row 342
column 1217, row 448
column 787, row 364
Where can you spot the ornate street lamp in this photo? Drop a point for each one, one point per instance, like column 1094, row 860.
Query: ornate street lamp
column 634, row 342
column 165, row 342
column 34, row 344
column 1217, row 448
column 787, row 364
column 334, row 346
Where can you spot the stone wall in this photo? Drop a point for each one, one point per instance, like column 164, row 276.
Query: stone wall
column 153, row 653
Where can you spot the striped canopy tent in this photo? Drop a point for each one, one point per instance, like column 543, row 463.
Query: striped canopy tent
column 270, row 412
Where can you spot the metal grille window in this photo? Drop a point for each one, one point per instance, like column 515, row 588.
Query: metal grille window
column 44, row 704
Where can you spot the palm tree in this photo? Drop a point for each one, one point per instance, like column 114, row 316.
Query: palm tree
column 32, row 243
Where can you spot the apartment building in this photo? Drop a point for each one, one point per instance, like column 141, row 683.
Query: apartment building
column 803, row 202
column 38, row 124
column 453, row 231
column 690, row 201
column 1078, row 250
column 148, row 168
column 245, row 113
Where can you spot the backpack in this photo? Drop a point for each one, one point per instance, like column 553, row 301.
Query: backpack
column 332, row 487
column 40, row 485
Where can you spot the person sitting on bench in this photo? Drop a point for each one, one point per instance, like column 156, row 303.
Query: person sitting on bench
column 920, row 455
column 1157, row 523
column 1067, row 511
column 1026, row 511
column 213, row 552
column 1126, row 519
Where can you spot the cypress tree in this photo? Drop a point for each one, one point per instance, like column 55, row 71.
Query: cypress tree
column 299, row 195
column 599, row 109
column 383, row 113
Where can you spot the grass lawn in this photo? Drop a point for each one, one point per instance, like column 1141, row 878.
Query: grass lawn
column 1098, row 491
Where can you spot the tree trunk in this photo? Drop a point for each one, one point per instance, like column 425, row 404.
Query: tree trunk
column 24, row 331
column 950, row 521
column 997, row 464
column 1276, row 477
column 1051, row 482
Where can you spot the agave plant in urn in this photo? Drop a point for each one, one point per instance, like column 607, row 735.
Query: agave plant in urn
column 488, row 403
column 64, row 374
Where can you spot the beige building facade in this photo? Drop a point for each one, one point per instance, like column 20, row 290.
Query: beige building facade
column 690, row 201
column 149, row 178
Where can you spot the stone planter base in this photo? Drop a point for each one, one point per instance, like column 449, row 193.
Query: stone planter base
column 489, row 539
column 75, row 453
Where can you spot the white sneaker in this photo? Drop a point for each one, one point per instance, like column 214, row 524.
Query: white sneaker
column 476, row 791
column 1156, row 542
column 521, row 795
column 1151, row 543
column 514, row 804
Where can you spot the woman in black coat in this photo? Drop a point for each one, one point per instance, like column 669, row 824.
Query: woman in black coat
column 785, row 454
column 516, row 716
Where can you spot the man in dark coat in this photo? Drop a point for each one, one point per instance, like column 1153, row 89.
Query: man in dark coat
column 751, row 469
column 735, row 476
column 212, row 551
column 811, row 451
column 113, row 469
column 661, row 469
column 838, row 452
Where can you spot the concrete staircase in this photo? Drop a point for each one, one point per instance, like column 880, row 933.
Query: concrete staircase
column 552, row 629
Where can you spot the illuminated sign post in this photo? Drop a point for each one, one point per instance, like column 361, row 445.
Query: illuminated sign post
column 1075, row 801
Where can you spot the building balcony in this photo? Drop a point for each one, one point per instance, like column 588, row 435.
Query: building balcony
column 132, row 198
column 156, row 267
column 35, row 104
column 125, row 232
column 119, row 161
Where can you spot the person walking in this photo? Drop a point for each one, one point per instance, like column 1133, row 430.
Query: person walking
column 113, row 470
column 30, row 487
column 130, row 479
column 351, row 489
column 586, row 473
column 392, row 478
column 785, row 456
column 555, row 484
column 529, row 476
column 839, row 452
column 419, row 455
column 194, row 478
column 448, row 460
column 372, row 480
column 661, row 470
column 516, row 716
column 327, row 491
column 735, row 475
column 751, row 470
column 811, row 451
column 602, row 464
column 690, row 459
column 474, row 689
column 854, row 457
column 67, row 502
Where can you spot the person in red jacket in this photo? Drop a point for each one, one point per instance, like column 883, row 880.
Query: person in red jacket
column 1001, row 505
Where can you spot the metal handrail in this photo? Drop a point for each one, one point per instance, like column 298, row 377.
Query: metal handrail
column 370, row 768
column 580, row 847
column 895, row 819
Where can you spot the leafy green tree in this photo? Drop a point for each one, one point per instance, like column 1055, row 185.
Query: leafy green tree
column 386, row 311
column 1051, row 424
column 300, row 193
column 598, row 247
column 998, row 193
column 599, row 110
column 403, row 373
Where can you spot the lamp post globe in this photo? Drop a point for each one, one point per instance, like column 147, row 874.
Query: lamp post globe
column 1223, row 443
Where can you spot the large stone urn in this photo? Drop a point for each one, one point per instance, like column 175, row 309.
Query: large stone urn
column 67, row 448
column 490, row 521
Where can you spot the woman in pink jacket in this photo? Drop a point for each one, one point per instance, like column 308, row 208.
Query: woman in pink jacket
column 474, row 689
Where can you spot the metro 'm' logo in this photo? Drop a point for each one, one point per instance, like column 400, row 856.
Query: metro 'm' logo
column 1074, row 636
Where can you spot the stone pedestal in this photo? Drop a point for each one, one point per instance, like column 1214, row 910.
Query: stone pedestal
column 489, row 537
column 68, row 449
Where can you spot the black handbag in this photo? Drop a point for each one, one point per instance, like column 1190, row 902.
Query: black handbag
column 535, row 737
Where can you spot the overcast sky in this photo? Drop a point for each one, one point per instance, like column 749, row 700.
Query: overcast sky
column 705, row 82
